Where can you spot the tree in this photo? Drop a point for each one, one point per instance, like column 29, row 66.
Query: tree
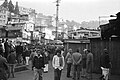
column 11, row 6
column 16, row 9
column 5, row 4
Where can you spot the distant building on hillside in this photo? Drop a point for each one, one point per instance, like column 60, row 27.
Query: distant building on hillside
column 83, row 33
column 24, row 10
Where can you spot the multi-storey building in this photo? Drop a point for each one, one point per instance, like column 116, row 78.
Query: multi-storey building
column 43, row 24
column 84, row 33
column 3, row 16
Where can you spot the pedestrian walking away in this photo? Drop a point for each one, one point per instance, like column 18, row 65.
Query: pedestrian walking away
column 84, row 58
column 89, row 64
column 68, row 60
column 77, row 58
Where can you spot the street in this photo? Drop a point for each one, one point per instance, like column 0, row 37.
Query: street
column 28, row 75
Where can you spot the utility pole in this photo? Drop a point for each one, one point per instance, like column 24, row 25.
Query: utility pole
column 57, row 18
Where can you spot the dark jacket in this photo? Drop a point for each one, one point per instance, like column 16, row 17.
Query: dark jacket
column 26, row 53
column 3, row 63
column 11, row 58
column 19, row 49
column 105, row 61
column 38, row 62
column 3, row 67
column 6, row 47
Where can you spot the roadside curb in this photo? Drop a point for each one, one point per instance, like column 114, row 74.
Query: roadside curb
column 21, row 68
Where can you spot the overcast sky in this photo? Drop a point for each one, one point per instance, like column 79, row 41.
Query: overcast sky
column 78, row 10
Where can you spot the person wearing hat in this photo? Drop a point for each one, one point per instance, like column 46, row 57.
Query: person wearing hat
column 105, row 64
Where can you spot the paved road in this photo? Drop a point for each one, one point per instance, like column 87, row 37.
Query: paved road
column 28, row 75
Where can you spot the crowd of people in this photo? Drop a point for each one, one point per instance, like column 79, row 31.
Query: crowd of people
column 38, row 57
column 11, row 55
column 79, row 62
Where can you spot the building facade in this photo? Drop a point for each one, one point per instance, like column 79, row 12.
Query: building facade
column 84, row 33
column 3, row 16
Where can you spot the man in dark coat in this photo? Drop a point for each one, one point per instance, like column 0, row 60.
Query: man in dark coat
column 3, row 67
column 7, row 48
column 19, row 52
column 105, row 63
column 38, row 65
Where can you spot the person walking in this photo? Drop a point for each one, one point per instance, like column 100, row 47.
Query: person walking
column 77, row 58
column 46, row 61
column 24, row 55
column 27, row 56
column 58, row 64
column 32, row 55
column 105, row 65
column 11, row 62
column 3, row 67
column 89, row 64
column 38, row 65
column 68, row 60
column 84, row 58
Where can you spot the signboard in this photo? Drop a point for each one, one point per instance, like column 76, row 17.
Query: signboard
column 14, row 34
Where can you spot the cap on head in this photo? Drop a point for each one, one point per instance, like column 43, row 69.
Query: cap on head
column 105, row 50
column 85, row 50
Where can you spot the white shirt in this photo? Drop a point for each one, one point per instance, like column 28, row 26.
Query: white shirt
column 56, row 64
column 3, row 47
